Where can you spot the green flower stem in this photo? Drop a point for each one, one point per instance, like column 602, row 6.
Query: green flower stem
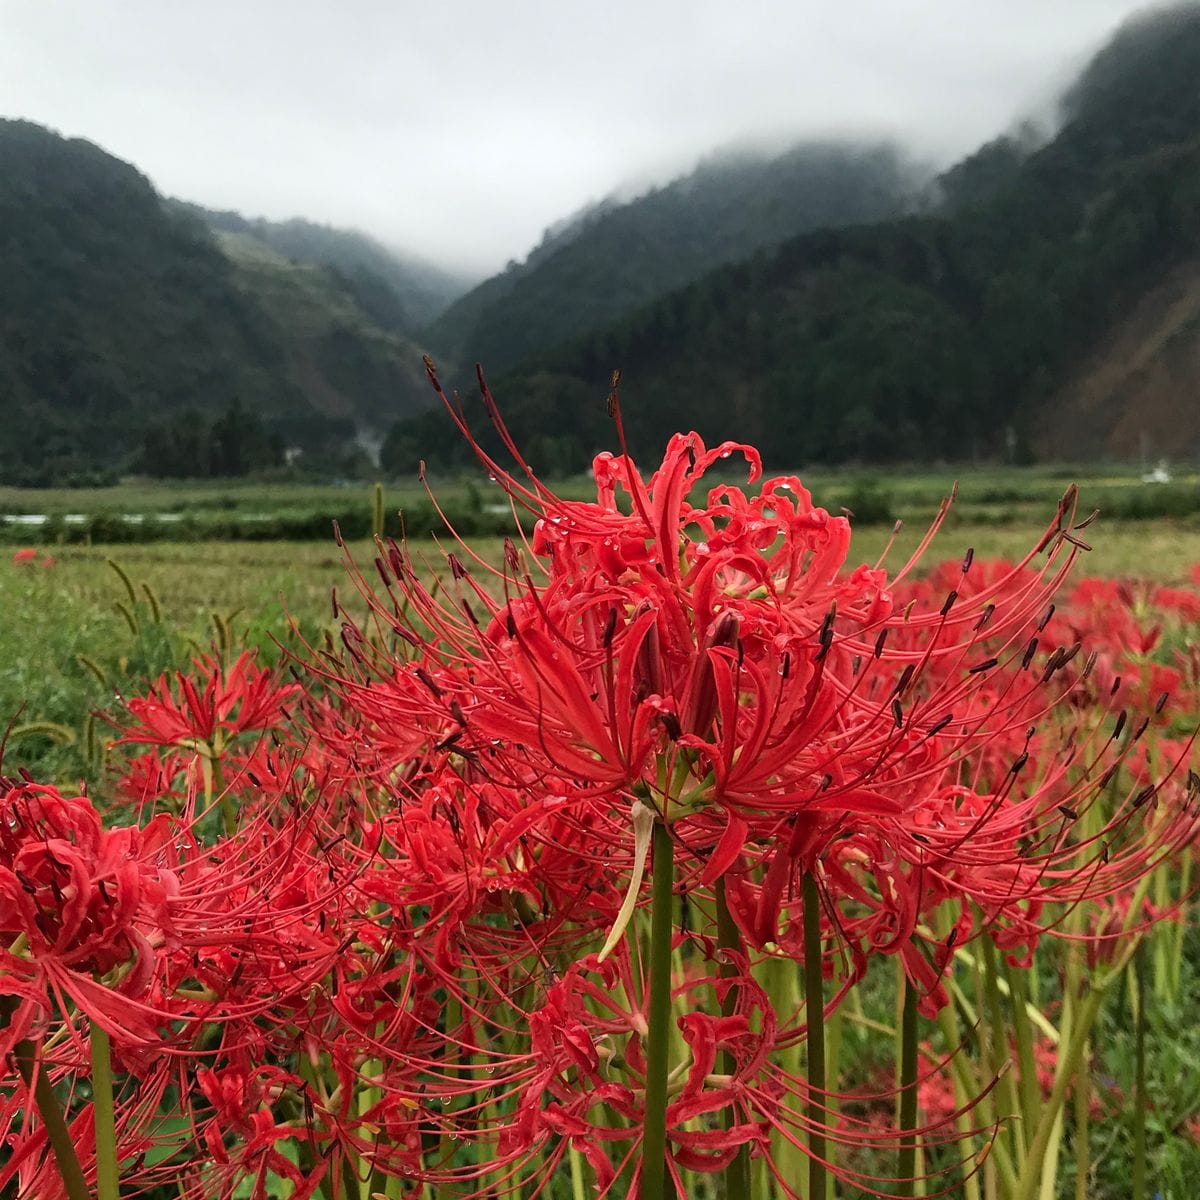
column 964, row 1090
column 377, row 511
column 782, row 983
column 1069, row 1061
column 1139, row 1050
column 814, row 1003
column 107, row 1179
column 737, row 1174
column 1081, row 1099
column 834, row 1028
column 57, row 1133
column 578, row 1188
column 998, row 1039
column 214, row 786
column 906, row 1162
column 655, row 1181
column 1031, row 1096
column 999, row 1167
column 1178, row 930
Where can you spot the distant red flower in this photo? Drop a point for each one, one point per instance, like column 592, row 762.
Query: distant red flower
column 206, row 712
column 27, row 554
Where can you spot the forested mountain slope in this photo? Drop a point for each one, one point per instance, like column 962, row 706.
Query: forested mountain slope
column 616, row 256
column 950, row 335
column 122, row 317
column 398, row 291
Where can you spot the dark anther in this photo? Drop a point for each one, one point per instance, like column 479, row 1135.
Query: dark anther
column 427, row 680
column 610, row 628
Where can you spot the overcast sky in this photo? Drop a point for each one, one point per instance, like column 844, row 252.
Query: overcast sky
column 459, row 129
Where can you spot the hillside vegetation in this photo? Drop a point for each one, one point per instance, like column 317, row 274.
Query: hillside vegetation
column 956, row 334
column 399, row 292
column 123, row 325
column 615, row 256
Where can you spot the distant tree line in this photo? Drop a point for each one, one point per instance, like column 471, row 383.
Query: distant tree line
column 189, row 446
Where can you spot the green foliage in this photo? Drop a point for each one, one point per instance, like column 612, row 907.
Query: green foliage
column 1173, row 1148
column 232, row 443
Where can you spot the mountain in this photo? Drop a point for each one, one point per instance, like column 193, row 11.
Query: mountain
column 398, row 291
column 971, row 331
column 120, row 315
column 614, row 256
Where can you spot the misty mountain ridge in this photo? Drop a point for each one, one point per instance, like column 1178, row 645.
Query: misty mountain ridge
column 833, row 301
column 127, row 328
column 616, row 254
column 944, row 333
column 399, row 290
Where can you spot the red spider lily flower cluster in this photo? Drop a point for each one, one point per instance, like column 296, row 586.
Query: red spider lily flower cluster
column 418, row 951
column 713, row 663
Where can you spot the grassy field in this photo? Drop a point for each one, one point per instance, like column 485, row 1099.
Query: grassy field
column 214, row 510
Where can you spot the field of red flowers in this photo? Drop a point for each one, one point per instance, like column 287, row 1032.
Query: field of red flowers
column 676, row 854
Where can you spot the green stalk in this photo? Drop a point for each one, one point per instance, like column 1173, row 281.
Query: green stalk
column 1139, row 1043
column 377, row 511
column 1083, row 1166
column 214, row 785
column 998, row 1038
column 737, row 1174
column 578, row 1189
column 834, row 1029
column 1070, row 1058
column 57, row 1133
column 999, row 1169
column 814, row 1003
column 107, row 1179
column 964, row 1089
column 1031, row 1098
column 782, row 982
column 906, row 1163
column 656, row 1182
column 1178, row 929
column 1049, row 1185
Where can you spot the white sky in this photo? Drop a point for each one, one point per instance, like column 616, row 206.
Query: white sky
column 459, row 129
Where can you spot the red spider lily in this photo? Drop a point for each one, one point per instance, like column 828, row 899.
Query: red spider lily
column 392, row 955
column 706, row 654
column 78, row 903
column 211, row 711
